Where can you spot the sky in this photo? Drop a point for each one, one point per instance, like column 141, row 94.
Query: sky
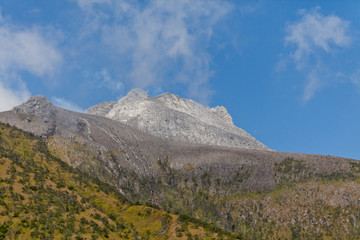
column 288, row 72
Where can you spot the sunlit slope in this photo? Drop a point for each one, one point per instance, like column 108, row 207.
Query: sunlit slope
column 41, row 197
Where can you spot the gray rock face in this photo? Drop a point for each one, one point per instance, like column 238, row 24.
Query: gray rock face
column 102, row 108
column 174, row 118
column 36, row 105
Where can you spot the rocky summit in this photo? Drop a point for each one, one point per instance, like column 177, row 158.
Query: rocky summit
column 171, row 117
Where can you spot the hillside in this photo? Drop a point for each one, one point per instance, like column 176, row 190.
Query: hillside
column 41, row 197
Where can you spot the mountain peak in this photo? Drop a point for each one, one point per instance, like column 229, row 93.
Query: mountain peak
column 36, row 105
column 172, row 117
column 167, row 94
column 224, row 114
column 136, row 94
column 39, row 99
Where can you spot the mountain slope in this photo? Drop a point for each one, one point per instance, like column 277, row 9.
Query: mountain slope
column 252, row 193
column 43, row 198
column 174, row 118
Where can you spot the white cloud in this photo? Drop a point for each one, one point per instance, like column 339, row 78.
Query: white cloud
column 313, row 84
column 27, row 49
column 164, row 41
column 89, row 3
column 355, row 77
column 108, row 81
column 22, row 49
column 315, row 31
column 10, row 97
column 313, row 35
column 1, row 16
column 63, row 103
column 250, row 7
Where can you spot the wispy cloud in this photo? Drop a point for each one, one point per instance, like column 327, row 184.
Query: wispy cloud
column 164, row 42
column 63, row 103
column 313, row 84
column 12, row 97
column 22, row 49
column 314, row 35
column 89, row 3
column 26, row 49
column 355, row 77
column 250, row 7
column 107, row 81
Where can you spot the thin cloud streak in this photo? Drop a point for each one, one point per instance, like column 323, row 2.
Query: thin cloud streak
column 63, row 103
column 313, row 84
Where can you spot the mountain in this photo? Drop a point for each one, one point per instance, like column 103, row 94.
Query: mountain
column 174, row 118
column 255, row 194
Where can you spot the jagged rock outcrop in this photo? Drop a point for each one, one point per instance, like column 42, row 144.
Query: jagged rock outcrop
column 36, row 105
column 174, row 118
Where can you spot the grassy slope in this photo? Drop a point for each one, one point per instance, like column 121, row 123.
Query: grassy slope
column 41, row 197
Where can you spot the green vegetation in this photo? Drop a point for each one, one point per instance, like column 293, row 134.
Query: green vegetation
column 290, row 171
column 304, row 204
column 41, row 197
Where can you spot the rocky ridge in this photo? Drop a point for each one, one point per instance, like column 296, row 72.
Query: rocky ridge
column 171, row 117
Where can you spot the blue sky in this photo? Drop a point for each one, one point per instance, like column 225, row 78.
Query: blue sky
column 287, row 71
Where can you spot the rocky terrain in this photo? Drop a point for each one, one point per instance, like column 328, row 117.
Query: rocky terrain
column 174, row 118
column 255, row 194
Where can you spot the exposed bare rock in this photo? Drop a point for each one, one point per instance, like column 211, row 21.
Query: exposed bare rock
column 174, row 118
column 102, row 108
column 37, row 105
